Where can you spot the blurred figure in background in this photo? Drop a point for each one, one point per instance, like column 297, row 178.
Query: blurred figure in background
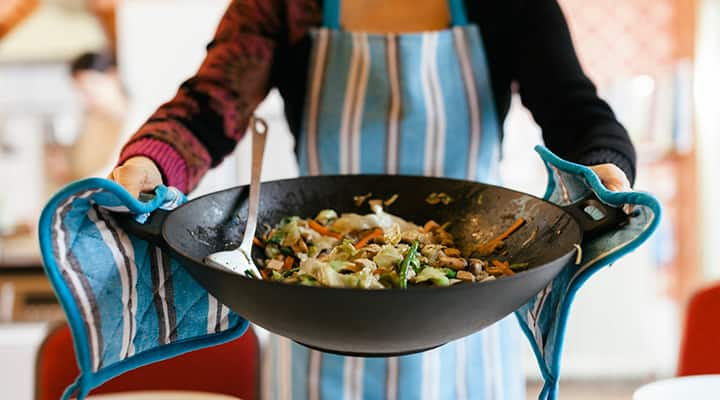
column 95, row 77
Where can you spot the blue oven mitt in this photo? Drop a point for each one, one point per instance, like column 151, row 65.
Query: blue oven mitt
column 127, row 303
column 544, row 318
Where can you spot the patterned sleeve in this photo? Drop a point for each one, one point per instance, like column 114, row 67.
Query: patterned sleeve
column 576, row 123
column 209, row 114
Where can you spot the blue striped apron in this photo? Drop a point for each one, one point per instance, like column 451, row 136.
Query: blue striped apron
column 415, row 104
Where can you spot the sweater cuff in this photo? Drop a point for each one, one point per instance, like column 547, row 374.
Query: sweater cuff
column 171, row 165
column 603, row 156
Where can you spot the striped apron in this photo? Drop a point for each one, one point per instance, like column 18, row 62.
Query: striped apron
column 414, row 104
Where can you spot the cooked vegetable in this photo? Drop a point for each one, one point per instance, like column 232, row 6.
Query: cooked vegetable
column 406, row 263
column 373, row 251
column 325, row 216
column 491, row 246
column 388, row 258
column 500, row 268
column 451, row 273
column 391, row 200
column 376, row 233
column 361, row 199
column 437, row 198
column 518, row 266
column 289, row 261
column 433, row 275
column 323, row 230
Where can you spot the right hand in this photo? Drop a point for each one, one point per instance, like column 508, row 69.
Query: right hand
column 137, row 174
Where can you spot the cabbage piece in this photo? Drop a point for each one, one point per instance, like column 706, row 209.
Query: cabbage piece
column 306, row 280
column 323, row 243
column 271, row 250
column 392, row 234
column 433, row 275
column 326, row 275
column 344, row 251
column 388, row 257
column 355, row 222
column 367, row 280
column 390, row 279
column 292, row 233
column 339, row 265
column 325, row 216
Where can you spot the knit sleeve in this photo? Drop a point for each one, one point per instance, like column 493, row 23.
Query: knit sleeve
column 576, row 123
column 209, row 114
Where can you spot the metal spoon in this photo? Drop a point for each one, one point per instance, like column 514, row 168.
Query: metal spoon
column 240, row 260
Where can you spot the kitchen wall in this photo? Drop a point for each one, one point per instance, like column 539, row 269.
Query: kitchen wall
column 708, row 128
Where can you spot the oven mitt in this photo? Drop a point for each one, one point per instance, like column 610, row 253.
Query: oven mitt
column 128, row 304
column 544, row 318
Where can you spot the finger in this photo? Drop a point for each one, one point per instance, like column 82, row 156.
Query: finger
column 612, row 177
column 628, row 208
column 131, row 178
column 617, row 186
column 613, row 187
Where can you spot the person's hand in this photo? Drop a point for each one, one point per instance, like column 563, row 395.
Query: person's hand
column 615, row 180
column 612, row 177
column 137, row 174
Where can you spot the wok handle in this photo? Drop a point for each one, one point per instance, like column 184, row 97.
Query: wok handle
column 150, row 231
column 595, row 217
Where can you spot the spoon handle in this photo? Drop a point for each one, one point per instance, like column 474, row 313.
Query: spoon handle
column 259, row 134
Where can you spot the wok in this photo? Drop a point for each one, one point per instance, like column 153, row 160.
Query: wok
column 388, row 322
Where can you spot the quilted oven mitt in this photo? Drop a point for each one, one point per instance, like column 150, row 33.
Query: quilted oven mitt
column 544, row 318
column 128, row 304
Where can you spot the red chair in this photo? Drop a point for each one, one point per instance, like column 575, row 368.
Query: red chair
column 231, row 368
column 700, row 345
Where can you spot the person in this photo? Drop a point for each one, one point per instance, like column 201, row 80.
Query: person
column 95, row 79
column 409, row 87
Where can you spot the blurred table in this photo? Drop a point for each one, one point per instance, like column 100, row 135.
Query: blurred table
column 699, row 387
column 25, row 292
column 162, row 395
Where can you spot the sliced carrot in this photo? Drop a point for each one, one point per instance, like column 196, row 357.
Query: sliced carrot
column 377, row 232
column 492, row 245
column 500, row 267
column 323, row 230
column 520, row 222
column 257, row 242
column 289, row 261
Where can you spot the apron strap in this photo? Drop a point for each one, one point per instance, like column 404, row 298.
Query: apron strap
column 331, row 13
column 458, row 16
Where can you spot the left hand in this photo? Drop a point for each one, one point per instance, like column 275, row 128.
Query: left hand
column 614, row 180
column 612, row 177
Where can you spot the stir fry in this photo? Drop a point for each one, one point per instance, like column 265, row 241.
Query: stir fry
column 373, row 251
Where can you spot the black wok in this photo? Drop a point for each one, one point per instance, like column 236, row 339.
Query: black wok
column 378, row 322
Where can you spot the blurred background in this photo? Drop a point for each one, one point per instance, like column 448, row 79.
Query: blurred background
column 77, row 77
